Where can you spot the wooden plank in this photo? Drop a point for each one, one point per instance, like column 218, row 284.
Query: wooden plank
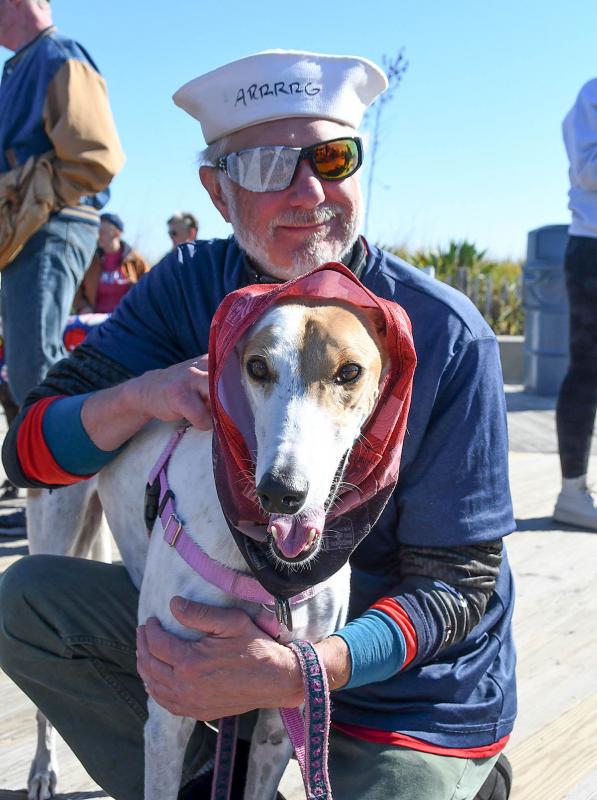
column 555, row 619
column 586, row 790
column 11, row 550
column 559, row 757
column 17, row 745
column 8, row 794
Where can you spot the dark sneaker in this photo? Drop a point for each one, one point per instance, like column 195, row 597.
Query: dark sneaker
column 8, row 491
column 498, row 783
column 13, row 524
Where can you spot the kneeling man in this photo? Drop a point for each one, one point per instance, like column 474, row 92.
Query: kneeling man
column 423, row 675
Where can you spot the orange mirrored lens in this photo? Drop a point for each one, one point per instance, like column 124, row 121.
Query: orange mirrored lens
column 336, row 160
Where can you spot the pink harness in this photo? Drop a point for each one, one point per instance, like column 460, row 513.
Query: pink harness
column 309, row 735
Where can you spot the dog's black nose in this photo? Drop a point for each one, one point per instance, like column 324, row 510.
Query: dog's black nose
column 278, row 495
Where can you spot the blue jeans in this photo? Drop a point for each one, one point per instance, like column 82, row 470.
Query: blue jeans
column 38, row 288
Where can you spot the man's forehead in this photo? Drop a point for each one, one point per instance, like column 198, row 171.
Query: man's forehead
column 292, row 132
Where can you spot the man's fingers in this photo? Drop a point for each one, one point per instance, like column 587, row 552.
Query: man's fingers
column 209, row 619
column 158, row 677
column 181, row 390
column 162, row 694
column 148, row 666
column 200, row 362
column 154, row 641
column 191, row 398
column 195, row 409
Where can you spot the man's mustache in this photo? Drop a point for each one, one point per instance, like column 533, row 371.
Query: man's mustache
column 317, row 216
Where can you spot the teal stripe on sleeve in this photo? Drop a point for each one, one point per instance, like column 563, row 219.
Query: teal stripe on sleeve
column 377, row 647
column 67, row 439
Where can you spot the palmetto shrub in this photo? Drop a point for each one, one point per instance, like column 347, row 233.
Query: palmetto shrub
column 493, row 286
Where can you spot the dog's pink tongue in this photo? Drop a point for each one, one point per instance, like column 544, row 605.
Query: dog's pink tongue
column 293, row 535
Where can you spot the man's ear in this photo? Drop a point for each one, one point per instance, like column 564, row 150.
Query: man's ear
column 211, row 181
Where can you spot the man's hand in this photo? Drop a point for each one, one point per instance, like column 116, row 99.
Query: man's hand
column 177, row 392
column 234, row 668
column 181, row 391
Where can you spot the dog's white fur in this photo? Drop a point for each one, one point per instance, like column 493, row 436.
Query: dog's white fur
column 303, row 429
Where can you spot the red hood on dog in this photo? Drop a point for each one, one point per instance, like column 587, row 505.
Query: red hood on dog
column 374, row 460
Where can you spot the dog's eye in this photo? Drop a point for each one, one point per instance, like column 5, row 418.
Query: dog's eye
column 348, row 373
column 257, row 368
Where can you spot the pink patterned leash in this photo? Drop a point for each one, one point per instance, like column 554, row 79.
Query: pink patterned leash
column 310, row 735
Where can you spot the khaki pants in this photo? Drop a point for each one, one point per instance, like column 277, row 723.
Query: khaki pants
column 67, row 638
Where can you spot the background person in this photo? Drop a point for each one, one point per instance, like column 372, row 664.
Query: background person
column 12, row 522
column 114, row 269
column 183, row 227
column 423, row 675
column 577, row 400
column 59, row 150
column 7, row 402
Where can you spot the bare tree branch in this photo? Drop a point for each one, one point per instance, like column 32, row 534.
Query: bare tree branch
column 395, row 69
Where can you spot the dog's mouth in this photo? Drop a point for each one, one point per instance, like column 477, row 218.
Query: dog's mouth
column 296, row 538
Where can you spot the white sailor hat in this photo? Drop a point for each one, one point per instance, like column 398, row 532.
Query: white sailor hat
column 277, row 84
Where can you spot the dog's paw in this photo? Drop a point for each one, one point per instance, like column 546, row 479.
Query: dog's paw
column 42, row 783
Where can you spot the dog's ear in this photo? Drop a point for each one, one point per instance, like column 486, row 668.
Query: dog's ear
column 377, row 320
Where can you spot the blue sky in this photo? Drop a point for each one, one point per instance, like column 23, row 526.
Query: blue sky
column 471, row 143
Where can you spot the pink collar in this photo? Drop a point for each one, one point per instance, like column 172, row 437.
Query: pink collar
column 237, row 584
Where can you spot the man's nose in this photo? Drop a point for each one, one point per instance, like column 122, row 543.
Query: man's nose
column 306, row 189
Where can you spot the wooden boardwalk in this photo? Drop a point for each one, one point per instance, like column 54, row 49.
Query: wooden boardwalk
column 554, row 745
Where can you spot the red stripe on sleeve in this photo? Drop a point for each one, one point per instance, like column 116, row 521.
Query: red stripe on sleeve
column 394, row 610
column 37, row 462
column 397, row 739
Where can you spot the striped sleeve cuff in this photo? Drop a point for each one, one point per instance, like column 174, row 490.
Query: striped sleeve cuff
column 53, row 447
column 35, row 456
column 394, row 610
column 69, row 442
column 377, row 648
column 381, row 642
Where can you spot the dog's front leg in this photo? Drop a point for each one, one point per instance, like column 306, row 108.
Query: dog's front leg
column 268, row 757
column 166, row 739
column 43, row 774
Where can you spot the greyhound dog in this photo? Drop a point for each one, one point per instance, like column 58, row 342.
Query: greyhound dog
column 311, row 373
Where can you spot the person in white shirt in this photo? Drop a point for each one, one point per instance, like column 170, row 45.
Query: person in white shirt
column 577, row 401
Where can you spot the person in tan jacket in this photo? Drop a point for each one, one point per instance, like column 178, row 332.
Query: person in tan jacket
column 59, row 151
column 115, row 267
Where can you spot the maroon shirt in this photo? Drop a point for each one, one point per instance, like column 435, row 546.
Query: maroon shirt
column 113, row 283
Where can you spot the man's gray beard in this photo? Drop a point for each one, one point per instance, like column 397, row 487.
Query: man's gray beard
column 318, row 250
